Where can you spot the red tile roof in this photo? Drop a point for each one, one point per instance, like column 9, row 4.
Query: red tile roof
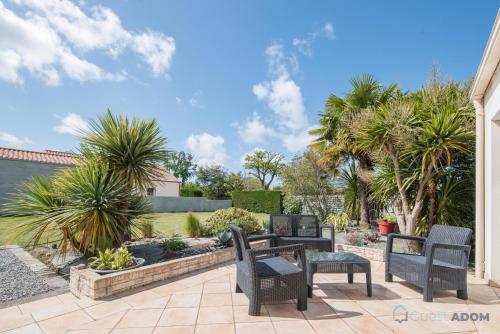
column 47, row 157
column 62, row 158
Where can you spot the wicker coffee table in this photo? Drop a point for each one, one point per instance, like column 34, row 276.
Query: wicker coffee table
column 343, row 262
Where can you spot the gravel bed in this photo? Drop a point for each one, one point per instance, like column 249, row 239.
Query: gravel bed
column 17, row 280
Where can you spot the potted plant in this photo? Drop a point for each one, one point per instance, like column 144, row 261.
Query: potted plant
column 111, row 261
column 387, row 224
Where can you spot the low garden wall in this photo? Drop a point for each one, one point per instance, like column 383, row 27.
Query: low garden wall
column 373, row 254
column 84, row 282
column 183, row 204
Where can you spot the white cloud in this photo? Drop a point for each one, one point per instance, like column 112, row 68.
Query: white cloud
column 298, row 141
column 194, row 100
column 305, row 45
column 13, row 141
column 207, row 149
column 254, row 130
column 328, row 30
column 51, row 37
column 72, row 124
column 178, row 100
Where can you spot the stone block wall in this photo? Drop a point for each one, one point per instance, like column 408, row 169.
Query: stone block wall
column 373, row 254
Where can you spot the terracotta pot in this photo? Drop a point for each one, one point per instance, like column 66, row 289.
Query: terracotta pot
column 385, row 227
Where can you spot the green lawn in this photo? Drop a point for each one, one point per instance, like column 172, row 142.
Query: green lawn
column 166, row 223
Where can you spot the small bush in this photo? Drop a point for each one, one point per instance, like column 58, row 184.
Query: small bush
column 191, row 190
column 193, row 226
column 220, row 220
column 341, row 221
column 355, row 239
column 147, row 229
column 390, row 218
column 371, row 236
column 174, row 245
column 265, row 201
column 292, row 205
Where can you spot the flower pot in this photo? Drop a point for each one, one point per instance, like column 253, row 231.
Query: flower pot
column 139, row 261
column 385, row 227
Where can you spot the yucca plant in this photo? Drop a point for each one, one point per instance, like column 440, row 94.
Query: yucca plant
column 103, row 261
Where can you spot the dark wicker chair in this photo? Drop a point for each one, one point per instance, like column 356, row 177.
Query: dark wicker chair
column 441, row 266
column 264, row 277
column 300, row 229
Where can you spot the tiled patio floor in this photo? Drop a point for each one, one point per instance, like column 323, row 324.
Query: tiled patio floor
column 204, row 303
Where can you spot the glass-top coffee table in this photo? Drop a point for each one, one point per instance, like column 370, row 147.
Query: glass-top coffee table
column 342, row 262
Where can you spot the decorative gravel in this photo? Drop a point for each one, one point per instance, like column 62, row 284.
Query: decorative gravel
column 17, row 280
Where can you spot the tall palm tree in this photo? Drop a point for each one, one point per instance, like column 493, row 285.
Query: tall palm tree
column 335, row 141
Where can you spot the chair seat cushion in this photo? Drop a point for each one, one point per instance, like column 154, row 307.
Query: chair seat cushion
column 420, row 260
column 275, row 266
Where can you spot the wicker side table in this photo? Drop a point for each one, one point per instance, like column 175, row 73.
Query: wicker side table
column 335, row 263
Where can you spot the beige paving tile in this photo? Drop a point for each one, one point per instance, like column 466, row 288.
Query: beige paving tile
column 379, row 307
column 330, row 326
column 366, row 324
column 107, row 308
column 215, row 315
column 318, row 311
column 240, row 299
column 293, row 327
column 216, row 288
column 409, row 326
column 241, row 315
column 140, row 297
column 253, row 328
column 174, row 330
column 491, row 326
column 140, row 318
column 29, row 329
column 64, row 322
column 157, row 303
column 108, row 322
column 53, row 311
column 215, row 329
column 185, row 300
column 13, row 321
column 90, row 331
column 445, row 325
column 167, row 288
column 9, row 312
column 346, row 309
column 216, row 299
column 178, row 317
column 40, row 304
column 132, row 331
column 191, row 289
column 283, row 312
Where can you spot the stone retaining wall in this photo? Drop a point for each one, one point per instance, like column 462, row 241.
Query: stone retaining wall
column 84, row 282
column 373, row 254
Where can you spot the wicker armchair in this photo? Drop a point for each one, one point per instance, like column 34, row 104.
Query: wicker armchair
column 300, row 229
column 264, row 277
column 441, row 266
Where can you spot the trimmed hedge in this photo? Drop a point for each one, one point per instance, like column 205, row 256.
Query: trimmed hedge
column 265, row 201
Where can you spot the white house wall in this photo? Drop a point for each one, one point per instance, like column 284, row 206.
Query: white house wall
column 492, row 179
column 167, row 189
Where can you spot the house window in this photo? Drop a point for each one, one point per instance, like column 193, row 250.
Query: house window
column 151, row 191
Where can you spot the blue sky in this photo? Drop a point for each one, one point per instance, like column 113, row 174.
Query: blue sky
column 221, row 77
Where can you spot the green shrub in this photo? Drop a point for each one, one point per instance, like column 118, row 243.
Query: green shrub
column 292, row 205
column 265, row 201
column 223, row 239
column 191, row 190
column 220, row 220
column 147, row 229
column 341, row 221
column 391, row 217
column 193, row 226
column 122, row 258
column 174, row 245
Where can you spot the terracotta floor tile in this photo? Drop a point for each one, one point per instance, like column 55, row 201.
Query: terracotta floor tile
column 178, row 317
column 241, row 315
column 184, row 300
column 215, row 329
column 330, row 326
column 107, row 308
column 215, row 315
column 282, row 312
column 140, row 318
column 254, row 328
column 29, row 329
column 367, row 324
column 216, row 299
column 216, row 288
column 318, row 311
column 140, row 297
column 293, row 327
column 64, row 322
column 40, row 304
column 15, row 321
column 174, row 330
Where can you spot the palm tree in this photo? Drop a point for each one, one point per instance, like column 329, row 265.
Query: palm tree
column 335, row 141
